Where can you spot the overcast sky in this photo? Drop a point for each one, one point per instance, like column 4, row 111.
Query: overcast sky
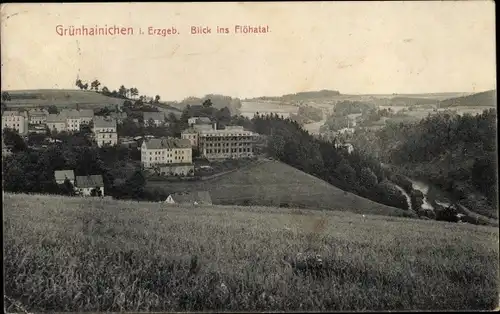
column 352, row 47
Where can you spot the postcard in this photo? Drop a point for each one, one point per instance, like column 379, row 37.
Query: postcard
column 249, row 156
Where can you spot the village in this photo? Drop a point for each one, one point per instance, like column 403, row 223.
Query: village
column 163, row 157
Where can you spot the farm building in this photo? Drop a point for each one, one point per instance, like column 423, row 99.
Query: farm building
column 62, row 175
column 84, row 185
column 192, row 198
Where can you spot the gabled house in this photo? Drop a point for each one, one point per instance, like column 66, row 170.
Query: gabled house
column 158, row 118
column 75, row 118
column 160, row 151
column 38, row 116
column 199, row 120
column 105, row 131
column 15, row 120
column 191, row 198
column 56, row 122
column 84, row 185
column 62, row 175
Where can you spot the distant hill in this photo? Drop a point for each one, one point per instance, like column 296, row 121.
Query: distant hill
column 273, row 183
column 61, row 98
column 301, row 96
column 487, row 98
column 218, row 101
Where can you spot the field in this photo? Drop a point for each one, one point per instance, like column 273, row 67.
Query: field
column 273, row 183
column 61, row 98
column 249, row 108
column 74, row 254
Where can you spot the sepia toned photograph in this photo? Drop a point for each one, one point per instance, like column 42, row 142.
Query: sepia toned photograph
column 249, row 157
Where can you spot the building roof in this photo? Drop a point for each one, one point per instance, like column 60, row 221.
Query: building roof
column 53, row 118
column 201, row 197
column 199, row 127
column 202, row 120
column 77, row 113
column 90, row 181
column 14, row 113
column 189, row 131
column 154, row 115
column 101, row 122
column 212, row 132
column 160, row 143
column 234, row 127
column 37, row 112
column 61, row 175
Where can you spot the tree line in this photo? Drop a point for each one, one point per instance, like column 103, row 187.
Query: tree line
column 122, row 92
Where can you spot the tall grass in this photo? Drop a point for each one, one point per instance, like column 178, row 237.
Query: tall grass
column 71, row 254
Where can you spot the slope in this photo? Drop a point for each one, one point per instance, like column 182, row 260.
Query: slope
column 486, row 99
column 75, row 254
column 274, row 183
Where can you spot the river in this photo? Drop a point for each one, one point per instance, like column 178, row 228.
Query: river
column 424, row 188
column 408, row 198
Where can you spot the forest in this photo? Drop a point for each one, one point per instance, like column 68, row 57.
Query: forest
column 455, row 152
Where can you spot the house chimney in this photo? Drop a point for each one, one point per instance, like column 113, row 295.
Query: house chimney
column 214, row 125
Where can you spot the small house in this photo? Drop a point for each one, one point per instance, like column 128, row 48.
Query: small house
column 62, row 175
column 91, row 185
column 191, row 198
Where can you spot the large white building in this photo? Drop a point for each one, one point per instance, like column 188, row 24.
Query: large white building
column 105, row 133
column 75, row 118
column 56, row 122
column 38, row 116
column 69, row 120
column 231, row 142
column 15, row 120
column 164, row 151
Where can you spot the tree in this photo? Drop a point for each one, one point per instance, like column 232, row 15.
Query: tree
column 207, row 103
column 95, row 85
column 157, row 99
column 122, row 91
column 86, row 86
column 367, row 178
column 134, row 91
column 346, row 173
column 67, row 188
column 79, row 84
column 12, row 138
column 105, row 91
column 36, row 139
column 52, row 109
column 5, row 96
column 96, row 191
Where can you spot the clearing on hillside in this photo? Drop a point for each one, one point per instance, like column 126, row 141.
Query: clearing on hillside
column 273, row 183
column 77, row 254
column 61, row 98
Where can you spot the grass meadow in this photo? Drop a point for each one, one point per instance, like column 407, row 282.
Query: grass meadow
column 273, row 183
column 74, row 254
